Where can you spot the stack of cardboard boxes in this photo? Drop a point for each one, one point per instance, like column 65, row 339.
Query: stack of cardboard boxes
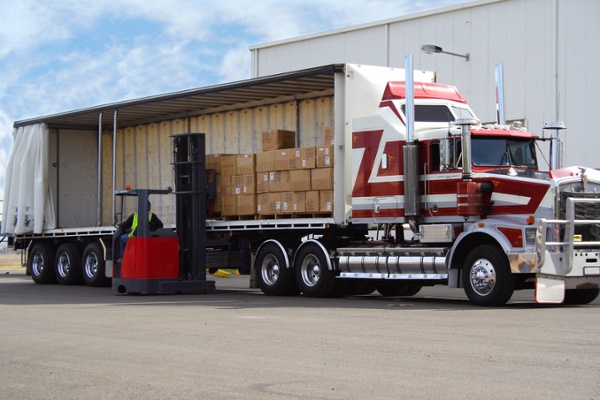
column 279, row 180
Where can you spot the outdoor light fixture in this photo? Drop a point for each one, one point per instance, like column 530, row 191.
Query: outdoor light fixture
column 431, row 48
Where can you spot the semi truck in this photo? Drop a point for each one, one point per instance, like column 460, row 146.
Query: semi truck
column 420, row 193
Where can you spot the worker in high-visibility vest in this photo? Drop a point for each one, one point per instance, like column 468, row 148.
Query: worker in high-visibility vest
column 128, row 228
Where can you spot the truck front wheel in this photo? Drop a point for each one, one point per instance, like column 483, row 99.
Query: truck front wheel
column 273, row 275
column 68, row 264
column 41, row 264
column 486, row 276
column 93, row 266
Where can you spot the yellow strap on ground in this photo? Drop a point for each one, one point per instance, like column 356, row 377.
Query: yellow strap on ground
column 222, row 274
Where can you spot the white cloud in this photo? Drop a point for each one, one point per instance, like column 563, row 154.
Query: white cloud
column 58, row 56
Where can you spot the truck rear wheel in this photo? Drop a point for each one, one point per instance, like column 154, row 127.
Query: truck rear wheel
column 580, row 296
column 68, row 264
column 273, row 275
column 93, row 267
column 312, row 273
column 41, row 264
column 486, row 276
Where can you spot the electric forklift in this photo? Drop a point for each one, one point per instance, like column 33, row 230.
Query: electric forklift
column 167, row 260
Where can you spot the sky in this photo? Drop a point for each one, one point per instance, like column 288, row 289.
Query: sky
column 62, row 55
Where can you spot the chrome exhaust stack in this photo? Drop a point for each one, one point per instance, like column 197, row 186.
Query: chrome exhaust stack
column 555, row 144
column 500, row 112
column 410, row 152
column 465, row 124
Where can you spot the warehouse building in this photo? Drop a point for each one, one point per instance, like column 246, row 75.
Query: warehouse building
column 548, row 49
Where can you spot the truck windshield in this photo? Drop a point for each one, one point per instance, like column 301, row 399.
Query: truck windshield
column 503, row 152
column 438, row 113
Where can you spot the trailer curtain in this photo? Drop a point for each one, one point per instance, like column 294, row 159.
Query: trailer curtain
column 28, row 204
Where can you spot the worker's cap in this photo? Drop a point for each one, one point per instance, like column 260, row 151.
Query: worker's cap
column 149, row 204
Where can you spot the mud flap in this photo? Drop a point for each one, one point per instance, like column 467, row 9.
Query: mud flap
column 549, row 289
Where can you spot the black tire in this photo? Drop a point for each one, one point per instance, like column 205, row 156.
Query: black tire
column 486, row 276
column 93, row 266
column 41, row 264
column 396, row 289
column 580, row 296
column 273, row 275
column 313, row 277
column 68, row 264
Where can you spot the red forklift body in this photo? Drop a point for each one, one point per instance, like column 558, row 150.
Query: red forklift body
column 151, row 258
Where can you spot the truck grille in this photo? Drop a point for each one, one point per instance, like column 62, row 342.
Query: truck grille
column 583, row 211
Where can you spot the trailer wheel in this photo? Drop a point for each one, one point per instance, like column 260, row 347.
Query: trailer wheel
column 93, row 266
column 395, row 289
column 41, row 264
column 274, row 277
column 580, row 296
column 312, row 274
column 486, row 276
column 68, row 264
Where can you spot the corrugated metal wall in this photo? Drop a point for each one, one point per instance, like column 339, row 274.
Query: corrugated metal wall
column 548, row 48
column 144, row 152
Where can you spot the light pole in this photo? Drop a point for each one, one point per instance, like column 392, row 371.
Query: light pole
column 431, row 48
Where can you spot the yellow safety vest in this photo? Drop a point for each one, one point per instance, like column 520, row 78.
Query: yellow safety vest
column 134, row 224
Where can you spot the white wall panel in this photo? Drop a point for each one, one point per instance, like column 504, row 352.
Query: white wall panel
column 548, row 48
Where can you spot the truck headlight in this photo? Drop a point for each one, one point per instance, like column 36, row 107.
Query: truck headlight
column 530, row 235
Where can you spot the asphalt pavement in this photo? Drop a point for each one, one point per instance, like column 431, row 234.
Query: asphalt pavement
column 77, row 342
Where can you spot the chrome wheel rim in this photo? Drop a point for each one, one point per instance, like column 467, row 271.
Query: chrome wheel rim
column 37, row 264
column 270, row 269
column 483, row 277
column 64, row 265
column 310, row 270
column 91, row 265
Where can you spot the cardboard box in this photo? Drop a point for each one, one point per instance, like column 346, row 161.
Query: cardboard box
column 280, row 181
column 268, row 204
column 224, row 185
column 324, row 156
column 329, row 135
column 245, row 164
column 275, row 203
column 287, row 199
column 285, row 181
column 299, row 202
column 264, row 161
column 236, row 185
column 262, row 182
column 322, row 179
column 228, row 163
column 326, row 201
column 312, row 201
column 262, row 204
column 228, row 205
column 246, row 204
column 274, row 179
column 278, row 139
column 303, row 158
column 243, row 184
column 213, row 161
column 301, row 180
column 282, row 159
column 293, row 202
